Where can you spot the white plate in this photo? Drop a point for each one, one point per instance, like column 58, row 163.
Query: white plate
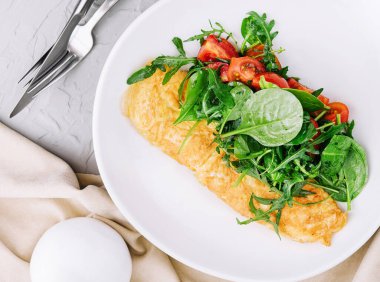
column 329, row 44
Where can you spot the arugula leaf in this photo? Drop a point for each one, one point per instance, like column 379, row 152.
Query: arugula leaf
column 221, row 90
column 173, row 62
column 257, row 30
column 161, row 63
column 142, row 74
column 306, row 133
column 218, row 30
column 179, row 45
column 317, row 92
column 197, row 83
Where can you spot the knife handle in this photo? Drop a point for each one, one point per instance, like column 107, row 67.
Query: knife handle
column 99, row 13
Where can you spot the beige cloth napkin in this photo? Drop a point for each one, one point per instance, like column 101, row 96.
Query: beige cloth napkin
column 38, row 190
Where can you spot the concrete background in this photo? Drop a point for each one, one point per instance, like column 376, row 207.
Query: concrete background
column 60, row 118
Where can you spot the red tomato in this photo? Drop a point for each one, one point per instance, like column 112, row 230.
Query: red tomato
column 244, row 69
column 296, row 85
column 324, row 99
column 214, row 47
column 314, row 137
column 337, row 108
column 257, row 51
column 270, row 77
column 316, row 126
column 223, row 69
column 224, row 73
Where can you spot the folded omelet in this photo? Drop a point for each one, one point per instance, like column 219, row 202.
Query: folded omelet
column 152, row 108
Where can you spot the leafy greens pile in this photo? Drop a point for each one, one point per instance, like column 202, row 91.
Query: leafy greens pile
column 267, row 134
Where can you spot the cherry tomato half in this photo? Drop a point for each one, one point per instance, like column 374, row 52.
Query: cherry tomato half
column 223, row 69
column 324, row 99
column 257, row 51
column 214, row 47
column 296, row 85
column 269, row 77
column 244, row 69
column 337, row 108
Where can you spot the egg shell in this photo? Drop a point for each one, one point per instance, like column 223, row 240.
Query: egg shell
column 80, row 250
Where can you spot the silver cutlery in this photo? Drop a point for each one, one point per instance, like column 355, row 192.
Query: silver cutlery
column 72, row 46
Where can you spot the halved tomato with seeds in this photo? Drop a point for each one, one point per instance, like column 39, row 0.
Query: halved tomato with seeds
column 244, row 69
column 335, row 109
column 216, row 48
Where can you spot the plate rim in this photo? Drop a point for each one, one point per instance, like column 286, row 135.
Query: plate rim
column 151, row 238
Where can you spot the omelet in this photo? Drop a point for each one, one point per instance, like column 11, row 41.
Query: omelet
column 152, row 108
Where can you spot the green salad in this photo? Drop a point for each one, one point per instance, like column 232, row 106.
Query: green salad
column 268, row 125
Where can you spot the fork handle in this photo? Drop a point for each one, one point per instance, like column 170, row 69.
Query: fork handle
column 99, row 13
column 58, row 50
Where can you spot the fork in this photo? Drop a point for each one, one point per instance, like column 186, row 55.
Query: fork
column 79, row 45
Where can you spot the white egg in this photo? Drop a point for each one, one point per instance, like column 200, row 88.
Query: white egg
column 81, row 250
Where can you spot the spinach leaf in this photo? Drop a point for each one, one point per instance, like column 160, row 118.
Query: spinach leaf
column 344, row 167
column 355, row 169
column 272, row 116
column 309, row 102
column 196, row 84
column 334, row 155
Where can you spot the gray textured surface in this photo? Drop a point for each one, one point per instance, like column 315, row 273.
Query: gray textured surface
column 60, row 118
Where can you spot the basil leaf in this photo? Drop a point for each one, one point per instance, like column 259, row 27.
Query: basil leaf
column 309, row 102
column 271, row 116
